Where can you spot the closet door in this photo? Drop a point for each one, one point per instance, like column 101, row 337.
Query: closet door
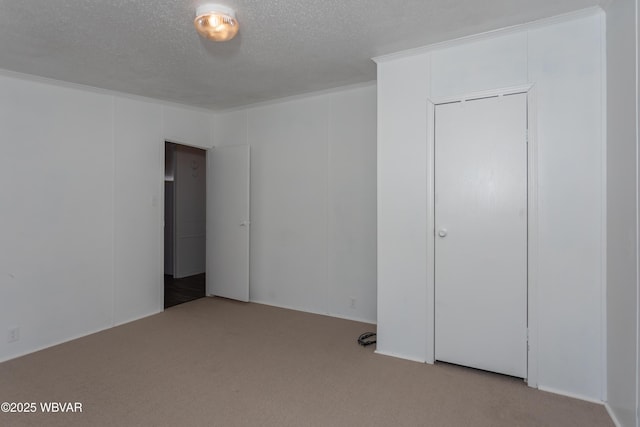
column 481, row 234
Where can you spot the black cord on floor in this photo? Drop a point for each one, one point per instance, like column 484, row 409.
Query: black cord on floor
column 363, row 341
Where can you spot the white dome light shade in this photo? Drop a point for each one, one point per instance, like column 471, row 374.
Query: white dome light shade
column 216, row 22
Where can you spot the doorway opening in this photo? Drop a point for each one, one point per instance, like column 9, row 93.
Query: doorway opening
column 184, row 224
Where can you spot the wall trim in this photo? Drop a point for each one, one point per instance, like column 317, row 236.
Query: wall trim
column 590, row 11
column 532, row 237
column 468, row 96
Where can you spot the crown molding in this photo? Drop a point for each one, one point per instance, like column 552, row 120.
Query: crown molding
column 582, row 13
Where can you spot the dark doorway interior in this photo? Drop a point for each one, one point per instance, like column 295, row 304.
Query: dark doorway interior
column 185, row 217
column 177, row 291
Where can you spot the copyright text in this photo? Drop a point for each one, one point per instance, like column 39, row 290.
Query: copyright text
column 45, row 407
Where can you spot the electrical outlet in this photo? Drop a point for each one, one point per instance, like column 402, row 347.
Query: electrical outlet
column 13, row 335
column 353, row 302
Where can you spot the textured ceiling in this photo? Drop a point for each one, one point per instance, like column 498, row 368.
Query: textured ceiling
column 284, row 47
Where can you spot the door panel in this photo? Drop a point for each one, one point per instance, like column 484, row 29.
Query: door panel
column 481, row 233
column 228, row 223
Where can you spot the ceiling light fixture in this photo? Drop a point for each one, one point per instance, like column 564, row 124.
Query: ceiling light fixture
column 216, row 22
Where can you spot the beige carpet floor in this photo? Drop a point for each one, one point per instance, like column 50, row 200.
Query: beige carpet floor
column 214, row 362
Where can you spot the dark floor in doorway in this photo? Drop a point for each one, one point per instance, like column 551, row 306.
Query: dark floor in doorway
column 177, row 291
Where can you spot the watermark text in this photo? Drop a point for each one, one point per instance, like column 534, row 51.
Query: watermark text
column 44, row 407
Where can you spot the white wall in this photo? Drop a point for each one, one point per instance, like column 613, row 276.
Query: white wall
column 312, row 200
column 563, row 60
column 57, row 210
column 81, row 180
column 403, row 207
column 138, row 271
column 622, row 211
column 82, row 236
column 566, row 63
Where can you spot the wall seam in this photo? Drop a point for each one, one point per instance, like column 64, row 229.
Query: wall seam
column 246, row 140
column 162, row 161
column 603, row 242
column 328, row 205
column 637, row 367
column 114, row 281
column 429, row 347
column 379, row 198
column 246, row 126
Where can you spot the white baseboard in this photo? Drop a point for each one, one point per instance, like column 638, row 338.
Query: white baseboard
column 612, row 415
column 572, row 395
column 76, row 336
column 138, row 317
column 400, row 356
column 286, row 307
column 352, row 318
column 54, row 343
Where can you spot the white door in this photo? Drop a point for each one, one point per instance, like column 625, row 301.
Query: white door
column 228, row 223
column 481, row 234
